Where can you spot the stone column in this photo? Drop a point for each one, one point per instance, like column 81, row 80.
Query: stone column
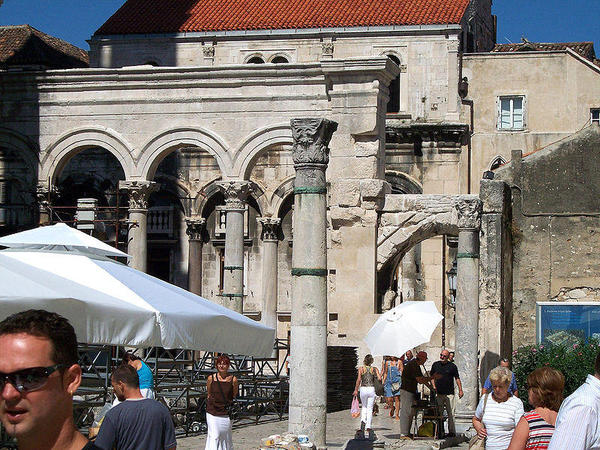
column 44, row 194
column 139, row 193
column 270, row 239
column 195, row 227
column 308, row 346
column 467, row 305
column 235, row 193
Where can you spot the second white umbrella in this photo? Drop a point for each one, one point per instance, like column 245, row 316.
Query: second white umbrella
column 402, row 328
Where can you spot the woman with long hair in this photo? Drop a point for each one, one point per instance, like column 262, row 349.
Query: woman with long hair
column 535, row 429
column 221, row 389
column 391, row 385
column 365, row 384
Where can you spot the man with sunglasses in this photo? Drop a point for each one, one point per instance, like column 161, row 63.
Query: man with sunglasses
column 38, row 376
column 445, row 372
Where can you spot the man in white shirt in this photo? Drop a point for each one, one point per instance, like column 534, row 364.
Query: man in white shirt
column 578, row 421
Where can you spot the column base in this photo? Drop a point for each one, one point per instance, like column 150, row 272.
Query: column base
column 309, row 420
column 463, row 421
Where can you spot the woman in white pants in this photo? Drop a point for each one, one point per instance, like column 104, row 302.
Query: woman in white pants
column 221, row 388
column 365, row 384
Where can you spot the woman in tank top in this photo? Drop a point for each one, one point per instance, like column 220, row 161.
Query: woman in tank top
column 221, row 389
column 365, row 384
column 535, row 429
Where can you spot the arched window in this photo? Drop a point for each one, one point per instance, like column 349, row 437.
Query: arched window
column 497, row 162
column 280, row 60
column 256, row 60
column 393, row 105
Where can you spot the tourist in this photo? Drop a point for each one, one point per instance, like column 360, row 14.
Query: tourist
column 38, row 376
column 498, row 413
column 444, row 386
column 365, row 384
column 451, row 357
column 144, row 373
column 136, row 422
column 578, row 421
column 534, row 430
column 221, row 389
column 391, row 385
column 487, row 386
column 411, row 376
column 407, row 357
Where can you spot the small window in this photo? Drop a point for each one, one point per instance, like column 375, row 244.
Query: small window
column 511, row 113
column 280, row 60
column 256, row 60
column 595, row 115
column 393, row 105
column 498, row 161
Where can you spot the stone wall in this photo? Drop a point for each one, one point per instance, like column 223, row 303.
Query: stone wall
column 555, row 226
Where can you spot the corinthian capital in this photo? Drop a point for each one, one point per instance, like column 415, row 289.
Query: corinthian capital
column 311, row 140
column 139, row 192
column 469, row 213
column 270, row 227
column 235, row 192
column 195, row 226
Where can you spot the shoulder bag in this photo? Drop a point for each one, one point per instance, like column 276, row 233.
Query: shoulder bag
column 476, row 442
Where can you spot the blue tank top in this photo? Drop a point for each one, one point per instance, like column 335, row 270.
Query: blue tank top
column 146, row 378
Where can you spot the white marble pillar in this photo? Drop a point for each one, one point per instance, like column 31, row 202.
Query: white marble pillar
column 195, row 227
column 467, row 305
column 137, row 244
column 308, row 346
column 236, row 193
column 270, row 240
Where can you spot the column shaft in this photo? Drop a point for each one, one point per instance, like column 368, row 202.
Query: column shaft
column 467, row 319
column 270, row 230
column 137, row 241
column 308, row 347
column 194, row 231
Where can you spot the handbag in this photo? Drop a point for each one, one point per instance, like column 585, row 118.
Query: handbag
column 378, row 386
column 476, row 442
column 395, row 386
column 355, row 409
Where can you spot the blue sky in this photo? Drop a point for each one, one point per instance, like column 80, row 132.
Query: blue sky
column 537, row 20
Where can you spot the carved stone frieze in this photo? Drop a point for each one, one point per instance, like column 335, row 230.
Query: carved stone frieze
column 327, row 48
column 235, row 192
column 469, row 213
column 208, row 51
column 139, row 192
column 270, row 228
column 311, row 140
column 195, row 227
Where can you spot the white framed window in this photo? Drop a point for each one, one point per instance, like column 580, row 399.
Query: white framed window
column 512, row 112
column 595, row 115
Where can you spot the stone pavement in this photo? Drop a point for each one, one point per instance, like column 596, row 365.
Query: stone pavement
column 340, row 433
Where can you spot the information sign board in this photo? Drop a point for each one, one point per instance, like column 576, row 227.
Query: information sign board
column 563, row 323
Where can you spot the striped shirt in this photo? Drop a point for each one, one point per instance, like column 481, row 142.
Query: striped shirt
column 578, row 420
column 500, row 420
column 540, row 431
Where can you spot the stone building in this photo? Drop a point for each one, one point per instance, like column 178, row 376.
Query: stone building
column 183, row 122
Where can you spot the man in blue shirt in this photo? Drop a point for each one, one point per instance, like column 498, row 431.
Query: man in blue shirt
column 487, row 386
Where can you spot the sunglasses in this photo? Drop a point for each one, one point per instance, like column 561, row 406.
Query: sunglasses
column 444, row 356
column 27, row 380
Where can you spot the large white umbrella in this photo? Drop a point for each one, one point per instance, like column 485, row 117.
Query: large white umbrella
column 59, row 237
column 402, row 328
column 110, row 303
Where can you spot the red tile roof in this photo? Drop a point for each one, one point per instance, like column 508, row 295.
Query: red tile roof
column 23, row 45
column 171, row 16
column 585, row 49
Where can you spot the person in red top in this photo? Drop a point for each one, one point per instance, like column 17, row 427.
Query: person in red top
column 221, row 388
column 535, row 429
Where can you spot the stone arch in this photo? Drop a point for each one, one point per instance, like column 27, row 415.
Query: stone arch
column 283, row 191
column 403, row 183
column 280, row 58
column 69, row 144
column 496, row 162
column 407, row 220
column 256, row 143
column 178, row 188
column 165, row 142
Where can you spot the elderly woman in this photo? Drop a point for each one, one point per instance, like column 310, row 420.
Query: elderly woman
column 535, row 429
column 496, row 421
column 365, row 383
